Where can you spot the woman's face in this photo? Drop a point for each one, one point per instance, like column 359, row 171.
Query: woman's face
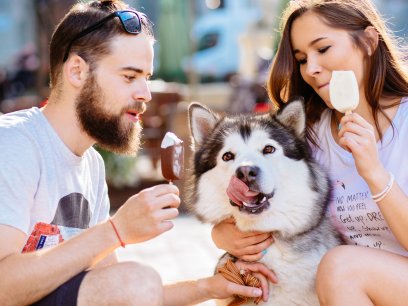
column 320, row 49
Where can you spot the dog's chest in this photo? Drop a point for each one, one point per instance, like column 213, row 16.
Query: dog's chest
column 285, row 258
column 295, row 271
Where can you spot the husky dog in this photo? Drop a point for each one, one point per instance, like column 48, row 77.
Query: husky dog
column 287, row 191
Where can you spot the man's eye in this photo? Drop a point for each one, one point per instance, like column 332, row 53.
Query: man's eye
column 129, row 77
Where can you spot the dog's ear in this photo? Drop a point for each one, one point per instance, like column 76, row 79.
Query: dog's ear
column 293, row 115
column 202, row 121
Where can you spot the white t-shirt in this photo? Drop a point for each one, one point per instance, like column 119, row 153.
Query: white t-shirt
column 351, row 208
column 41, row 180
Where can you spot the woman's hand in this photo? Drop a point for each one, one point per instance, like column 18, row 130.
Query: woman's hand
column 358, row 136
column 248, row 246
column 219, row 287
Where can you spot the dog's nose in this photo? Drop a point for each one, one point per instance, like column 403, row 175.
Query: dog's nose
column 247, row 174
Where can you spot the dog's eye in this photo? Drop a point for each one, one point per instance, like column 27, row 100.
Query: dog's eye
column 228, row 156
column 269, row 149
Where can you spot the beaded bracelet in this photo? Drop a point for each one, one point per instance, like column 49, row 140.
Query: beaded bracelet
column 117, row 234
column 379, row 196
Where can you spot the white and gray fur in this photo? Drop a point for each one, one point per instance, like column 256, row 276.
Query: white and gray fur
column 298, row 188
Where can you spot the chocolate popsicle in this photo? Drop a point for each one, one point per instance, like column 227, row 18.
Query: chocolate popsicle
column 172, row 157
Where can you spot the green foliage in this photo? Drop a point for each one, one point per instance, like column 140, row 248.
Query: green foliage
column 120, row 170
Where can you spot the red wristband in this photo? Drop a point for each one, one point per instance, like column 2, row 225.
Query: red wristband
column 117, row 234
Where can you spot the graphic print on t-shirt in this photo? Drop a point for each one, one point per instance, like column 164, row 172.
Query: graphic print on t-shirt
column 72, row 216
column 360, row 218
column 73, row 211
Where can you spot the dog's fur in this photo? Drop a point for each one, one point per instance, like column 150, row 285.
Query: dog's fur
column 296, row 190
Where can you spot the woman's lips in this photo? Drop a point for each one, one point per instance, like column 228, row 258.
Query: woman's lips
column 323, row 85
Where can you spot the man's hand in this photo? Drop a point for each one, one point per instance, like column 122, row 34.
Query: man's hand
column 248, row 246
column 147, row 214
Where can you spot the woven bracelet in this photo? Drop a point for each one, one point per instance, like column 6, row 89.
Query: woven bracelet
column 117, row 234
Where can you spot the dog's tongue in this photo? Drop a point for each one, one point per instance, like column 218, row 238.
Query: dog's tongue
column 239, row 192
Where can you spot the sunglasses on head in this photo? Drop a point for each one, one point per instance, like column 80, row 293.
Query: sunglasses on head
column 130, row 21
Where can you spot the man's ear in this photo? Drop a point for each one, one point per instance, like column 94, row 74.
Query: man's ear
column 75, row 71
column 371, row 39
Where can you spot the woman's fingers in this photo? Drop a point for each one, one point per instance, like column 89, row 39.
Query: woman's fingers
column 258, row 267
column 253, row 257
column 248, row 251
column 244, row 290
column 356, row 118
column 257, row 238
column 258, row 243
column 264, row 285
column 261, row 272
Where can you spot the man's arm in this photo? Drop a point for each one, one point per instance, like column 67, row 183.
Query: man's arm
column 27, row 277
column 111, row 259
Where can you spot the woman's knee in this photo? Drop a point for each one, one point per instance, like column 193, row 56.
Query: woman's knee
column 335, row 269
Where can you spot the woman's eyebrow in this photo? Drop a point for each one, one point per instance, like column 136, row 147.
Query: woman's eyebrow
column 295, row 51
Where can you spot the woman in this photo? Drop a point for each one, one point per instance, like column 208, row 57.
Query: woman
column 364, row 151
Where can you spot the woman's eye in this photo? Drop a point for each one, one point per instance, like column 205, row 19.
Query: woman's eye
column 269, row 149
column 302, row 61
column 228, row 156
column 324, row 49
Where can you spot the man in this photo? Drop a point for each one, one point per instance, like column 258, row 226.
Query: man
column 52, row 180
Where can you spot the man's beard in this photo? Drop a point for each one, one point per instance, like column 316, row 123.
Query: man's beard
column 108, row 130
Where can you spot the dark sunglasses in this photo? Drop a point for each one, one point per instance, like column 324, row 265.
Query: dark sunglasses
column 130, row 20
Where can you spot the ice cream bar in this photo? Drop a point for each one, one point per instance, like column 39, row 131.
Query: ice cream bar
column 172, row 157
column 344, row 93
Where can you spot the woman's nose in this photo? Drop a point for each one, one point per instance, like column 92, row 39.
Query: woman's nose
column 313, row 67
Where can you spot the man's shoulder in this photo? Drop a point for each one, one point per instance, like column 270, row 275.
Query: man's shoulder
column 19, row 119
column 95, row 155
column 95, row 159
column 18, row 131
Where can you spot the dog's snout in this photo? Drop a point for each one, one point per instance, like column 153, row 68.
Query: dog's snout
column 247, row 174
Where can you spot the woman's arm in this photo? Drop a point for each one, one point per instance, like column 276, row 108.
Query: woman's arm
column 358, row 136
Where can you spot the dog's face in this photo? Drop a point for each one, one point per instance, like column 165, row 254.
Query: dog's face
column 255, row 168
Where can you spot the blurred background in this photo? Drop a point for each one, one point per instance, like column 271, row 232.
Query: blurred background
column 216, row 52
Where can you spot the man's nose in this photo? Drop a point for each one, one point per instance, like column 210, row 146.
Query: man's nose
column 141, row 92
